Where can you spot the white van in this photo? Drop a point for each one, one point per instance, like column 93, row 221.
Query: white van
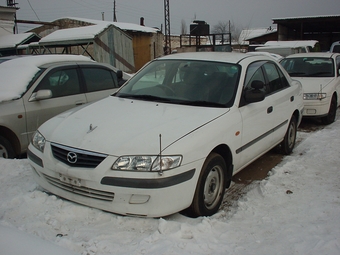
column 335, row 47
column 285, row 48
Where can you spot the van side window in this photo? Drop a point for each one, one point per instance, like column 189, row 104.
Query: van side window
column 97, row 79
column 63, row 82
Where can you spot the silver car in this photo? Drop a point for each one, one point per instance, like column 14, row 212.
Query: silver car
column 35, row 88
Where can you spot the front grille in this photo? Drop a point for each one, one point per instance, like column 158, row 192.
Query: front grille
column 83, row 191
column 75, row 157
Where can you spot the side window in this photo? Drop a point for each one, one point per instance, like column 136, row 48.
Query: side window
column 338, row 65
column 97, row 79
column 61, row 82
column 255, row 73
column 276, row 80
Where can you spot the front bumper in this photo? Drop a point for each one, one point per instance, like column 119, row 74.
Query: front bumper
column 146, row 194
column 316, row 108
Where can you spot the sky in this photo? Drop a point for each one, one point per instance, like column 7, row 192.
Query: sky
column 295, row 210
column 244, row 14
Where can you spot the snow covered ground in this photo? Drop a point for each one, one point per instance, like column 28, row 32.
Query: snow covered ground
column 294, row 211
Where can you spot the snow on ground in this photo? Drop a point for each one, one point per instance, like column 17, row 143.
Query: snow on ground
column 294, row 211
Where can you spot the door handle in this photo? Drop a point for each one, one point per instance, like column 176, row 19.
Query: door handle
column 292, row 98
column 80, row 102
column 270, row 109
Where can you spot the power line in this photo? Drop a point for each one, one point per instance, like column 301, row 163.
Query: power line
column 33, row 9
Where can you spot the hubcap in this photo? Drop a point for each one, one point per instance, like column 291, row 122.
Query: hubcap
column 3, row 152
column 212, row 187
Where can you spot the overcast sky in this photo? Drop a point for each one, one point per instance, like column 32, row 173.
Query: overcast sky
column 243, row 13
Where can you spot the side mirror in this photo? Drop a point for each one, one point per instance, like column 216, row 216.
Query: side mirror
column 256, row 94
column 41, row 95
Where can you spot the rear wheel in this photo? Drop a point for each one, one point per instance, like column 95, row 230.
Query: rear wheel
column 6, row 149
column 331, row 113
column 288, row 142
column 210, row 187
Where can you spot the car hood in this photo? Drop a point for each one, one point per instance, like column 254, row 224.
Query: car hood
column 314, row 84
column 117, row 126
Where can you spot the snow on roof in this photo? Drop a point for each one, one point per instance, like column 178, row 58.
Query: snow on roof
column 247, row 34
column 309, row 17
column 78, row 33
column 15, row 74
column 292, row 44
column 12, row 40
column 121, row 25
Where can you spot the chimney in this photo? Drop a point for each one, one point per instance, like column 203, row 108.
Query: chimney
column 141, row 21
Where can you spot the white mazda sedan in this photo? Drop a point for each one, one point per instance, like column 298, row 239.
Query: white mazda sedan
column 319, row 74
column 172, row 137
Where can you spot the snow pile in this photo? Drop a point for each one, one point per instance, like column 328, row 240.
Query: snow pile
column 294, row 211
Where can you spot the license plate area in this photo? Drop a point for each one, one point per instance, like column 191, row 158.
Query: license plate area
column 70, row 180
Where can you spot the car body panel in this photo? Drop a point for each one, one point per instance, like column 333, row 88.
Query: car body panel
column 21, row 113
column 120, row 126
column 330, row 85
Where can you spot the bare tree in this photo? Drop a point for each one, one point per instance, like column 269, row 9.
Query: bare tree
column 227, row 27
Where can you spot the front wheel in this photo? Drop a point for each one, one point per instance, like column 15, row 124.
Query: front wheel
column 210, row 187
column 330, row 118
column 288, row 142
column 6, row 149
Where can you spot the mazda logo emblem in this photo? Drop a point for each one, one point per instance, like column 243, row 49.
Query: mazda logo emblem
column 72, row 157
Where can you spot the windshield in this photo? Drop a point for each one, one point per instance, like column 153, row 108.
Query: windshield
column 201, row 83
column 309, row 67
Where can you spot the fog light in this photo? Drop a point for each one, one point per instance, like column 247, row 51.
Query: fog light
column 139, row 199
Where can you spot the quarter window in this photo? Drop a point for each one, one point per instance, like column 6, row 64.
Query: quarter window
column 97, row 79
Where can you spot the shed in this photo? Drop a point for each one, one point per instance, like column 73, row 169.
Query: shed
column 323, row 28
column 102, row 42
column 11, row 44
column 147, row 42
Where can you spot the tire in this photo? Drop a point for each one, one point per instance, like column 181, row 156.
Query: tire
column 288, row 143
column 210, row 187
column 6, row 149
column 330, row 118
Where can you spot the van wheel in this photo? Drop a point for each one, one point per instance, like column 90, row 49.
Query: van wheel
column 331, row 113
column 210, row 187
column 288, row 143
column 6, row 149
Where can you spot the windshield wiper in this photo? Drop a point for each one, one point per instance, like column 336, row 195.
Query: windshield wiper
column 205, row 103
column 145, row 97
column 297, row 74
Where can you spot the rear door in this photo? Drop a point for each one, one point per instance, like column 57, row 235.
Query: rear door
column 67, row 92
column 99, row 81
column 282, row 96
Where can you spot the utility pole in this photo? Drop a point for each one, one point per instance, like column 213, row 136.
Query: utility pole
column 114, row 11
column 167, row 48
column 12, row 3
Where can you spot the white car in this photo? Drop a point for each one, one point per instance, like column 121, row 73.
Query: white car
column 37, row 87
column 319, row 74
column 172, row 137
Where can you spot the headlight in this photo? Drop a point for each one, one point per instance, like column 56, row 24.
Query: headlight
column 314, row 96
column 38, row 141
column 147, row 163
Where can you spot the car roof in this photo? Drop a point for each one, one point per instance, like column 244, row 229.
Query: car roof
column 15, row 74
column 39, row 60
column 228, row 57
column 313, row 54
